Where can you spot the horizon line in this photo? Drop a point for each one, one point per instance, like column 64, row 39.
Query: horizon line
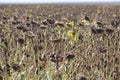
column 93, row 2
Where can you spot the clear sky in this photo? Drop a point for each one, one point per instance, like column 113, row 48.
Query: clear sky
column 56, row 1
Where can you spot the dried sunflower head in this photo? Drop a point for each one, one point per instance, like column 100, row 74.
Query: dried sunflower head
column 16, row 67
column 109, row 30
column 97, row 31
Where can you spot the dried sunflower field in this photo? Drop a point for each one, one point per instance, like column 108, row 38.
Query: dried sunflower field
column 59, row 42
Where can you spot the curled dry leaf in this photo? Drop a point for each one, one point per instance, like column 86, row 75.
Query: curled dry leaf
column 56, row 58
column 61, row 24
column 30, row 34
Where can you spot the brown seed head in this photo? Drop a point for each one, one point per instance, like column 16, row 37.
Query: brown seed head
column 97, row 31
column 16, row 67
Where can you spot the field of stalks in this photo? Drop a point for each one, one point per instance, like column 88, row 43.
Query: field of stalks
column 59, row 42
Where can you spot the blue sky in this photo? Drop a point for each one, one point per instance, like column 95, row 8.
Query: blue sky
column 55, row 1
